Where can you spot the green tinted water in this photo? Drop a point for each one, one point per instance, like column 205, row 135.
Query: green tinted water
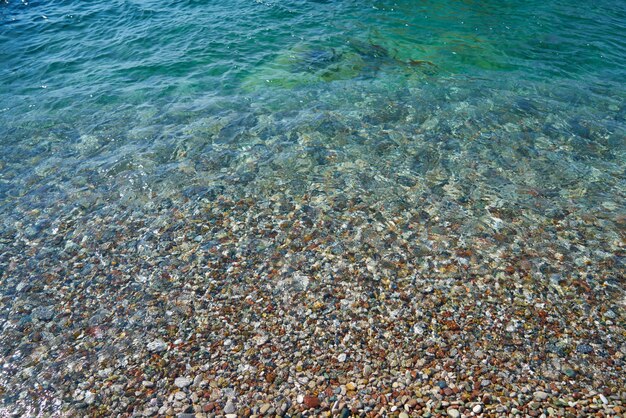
column 133, row 100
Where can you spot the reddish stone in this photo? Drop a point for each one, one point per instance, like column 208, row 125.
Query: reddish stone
column 208, row 407
column 311, row 401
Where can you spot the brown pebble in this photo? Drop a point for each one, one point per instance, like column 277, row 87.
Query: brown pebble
column 311, row 401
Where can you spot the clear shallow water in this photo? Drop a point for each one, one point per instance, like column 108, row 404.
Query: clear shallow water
column 494, row 126
column 135, row 100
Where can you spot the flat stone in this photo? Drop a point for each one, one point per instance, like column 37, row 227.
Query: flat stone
column 43, row 313
column 403, row 415
column 182, row 382
column 342, row 357
column 157, row 346
column 454, row 413
column 477, row 409
column 541, row 395
column 150, row 411
column 311, row 401
column 261, row 339
column 264, row 408
column 90, row 397
column 229, row 408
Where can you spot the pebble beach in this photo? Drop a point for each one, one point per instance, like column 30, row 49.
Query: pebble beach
column 342, row 231
column 287, row 306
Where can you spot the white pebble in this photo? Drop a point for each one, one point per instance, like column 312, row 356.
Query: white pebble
column 157, row 345
column 182, row 382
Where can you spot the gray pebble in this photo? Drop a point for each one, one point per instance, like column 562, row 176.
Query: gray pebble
column 182, row 382
column 43, row 313
column 454, row 413
column 229, row 408
column 157, row 346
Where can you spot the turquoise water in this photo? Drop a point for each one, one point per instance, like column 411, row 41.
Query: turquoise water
column 145, row 143
column 138, row 99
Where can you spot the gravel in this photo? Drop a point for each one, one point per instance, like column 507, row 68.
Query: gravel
column 264, row 315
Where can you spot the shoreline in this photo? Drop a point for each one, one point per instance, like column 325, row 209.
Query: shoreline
column 287, row 305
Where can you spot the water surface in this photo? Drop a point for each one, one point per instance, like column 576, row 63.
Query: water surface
column 493, row 125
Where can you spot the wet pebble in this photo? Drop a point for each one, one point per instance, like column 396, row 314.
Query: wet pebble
column 182, row 382
column 157, row 346
column 43, row 313
column 454, row 413
column 229, row 408
column 264, row 408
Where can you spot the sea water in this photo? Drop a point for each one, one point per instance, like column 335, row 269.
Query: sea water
column 145, row 144
column 102, row 102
